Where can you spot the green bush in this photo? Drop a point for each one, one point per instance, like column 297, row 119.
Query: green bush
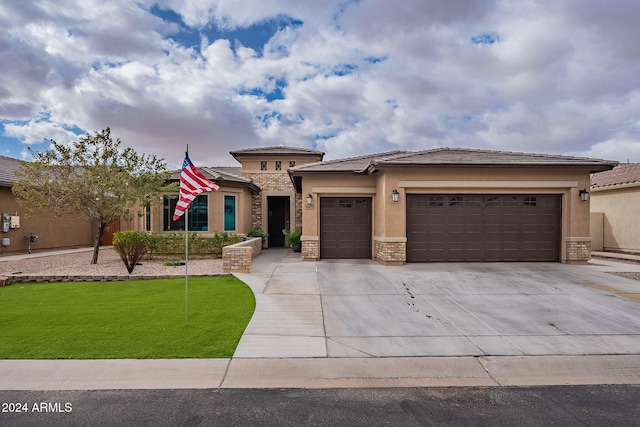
column 291, row 237
column 131, row 246
column 167, row 244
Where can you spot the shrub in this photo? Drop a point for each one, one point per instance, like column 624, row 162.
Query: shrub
column 131, row 246
column 291, row 237
column 257, row 233
column 173, row 243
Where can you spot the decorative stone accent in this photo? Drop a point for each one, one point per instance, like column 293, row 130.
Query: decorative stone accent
column 237, row 258
column 256, row 211
column 310, row 250
column 390, row 252
column 578, row 251
column 43, row 278
column 272, row 181
column 4, row 281
column 276, row 181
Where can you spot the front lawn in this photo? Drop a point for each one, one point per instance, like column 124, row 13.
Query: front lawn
column 122, row 320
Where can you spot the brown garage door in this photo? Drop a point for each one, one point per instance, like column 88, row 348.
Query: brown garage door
column 345, row 227
column 483, row 227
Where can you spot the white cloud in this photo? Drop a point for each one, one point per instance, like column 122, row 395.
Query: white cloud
column 360, row 76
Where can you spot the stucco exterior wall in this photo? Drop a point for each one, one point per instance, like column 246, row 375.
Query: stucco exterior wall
column 215, row 209
column 53, row 232
column 389, row 218
column 621, row 209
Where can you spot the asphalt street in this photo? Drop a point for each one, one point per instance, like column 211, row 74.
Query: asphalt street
column 606, row 405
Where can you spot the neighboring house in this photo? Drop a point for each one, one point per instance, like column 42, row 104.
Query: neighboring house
column 53, row 232
column 615, row 208
column 436, row 205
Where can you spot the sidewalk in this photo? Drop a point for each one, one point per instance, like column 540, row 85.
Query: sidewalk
column 284, row 347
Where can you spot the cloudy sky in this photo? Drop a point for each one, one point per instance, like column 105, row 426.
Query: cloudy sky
column 345, row 77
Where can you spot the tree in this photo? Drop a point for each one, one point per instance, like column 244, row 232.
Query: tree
column 93, row 178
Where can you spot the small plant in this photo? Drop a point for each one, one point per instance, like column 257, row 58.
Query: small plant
column 257, row 233
column 291, row 237
column 131, row 246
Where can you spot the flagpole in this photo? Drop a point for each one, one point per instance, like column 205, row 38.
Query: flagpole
column 186, row 260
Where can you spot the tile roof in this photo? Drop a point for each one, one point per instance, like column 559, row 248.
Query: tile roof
column 217, row 173
column 350, row 164
column 466, row 156
column 624, row 173
column 453, row 157
column 8, row 166
column 277, row 150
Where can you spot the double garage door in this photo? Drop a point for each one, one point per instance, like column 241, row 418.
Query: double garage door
column 483, row 227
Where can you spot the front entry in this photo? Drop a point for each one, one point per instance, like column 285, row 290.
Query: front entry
column 279, row 219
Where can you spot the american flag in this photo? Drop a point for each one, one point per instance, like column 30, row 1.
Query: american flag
column 192, row 183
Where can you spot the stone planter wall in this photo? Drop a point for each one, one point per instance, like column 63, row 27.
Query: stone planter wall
column 237, row 258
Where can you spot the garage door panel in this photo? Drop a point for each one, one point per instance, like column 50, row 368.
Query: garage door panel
column 483, row 227
column 345, row 227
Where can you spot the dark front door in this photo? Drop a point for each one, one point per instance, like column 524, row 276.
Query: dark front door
column 345, row 227
column 278, row 211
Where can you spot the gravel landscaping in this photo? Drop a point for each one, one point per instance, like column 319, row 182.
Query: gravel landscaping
column 109, row 264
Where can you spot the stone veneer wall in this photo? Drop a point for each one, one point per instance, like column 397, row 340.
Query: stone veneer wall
column 272, row 181
column 310, row 250
column 578, row 251
column 390, row 252
column 237, row 258
column 256, row 211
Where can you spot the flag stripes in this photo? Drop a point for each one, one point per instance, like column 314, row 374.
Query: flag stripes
column 192, row 183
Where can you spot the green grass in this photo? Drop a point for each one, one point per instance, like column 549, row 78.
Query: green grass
column 141, row 319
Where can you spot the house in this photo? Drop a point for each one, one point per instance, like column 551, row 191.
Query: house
column 615, row 208
column 257, row 195
column 436, row 205
column 52, row 232
column 447, row 204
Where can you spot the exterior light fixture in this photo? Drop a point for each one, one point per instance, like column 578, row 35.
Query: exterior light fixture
column 309, row 199
column 395, row 195
column 584, row 195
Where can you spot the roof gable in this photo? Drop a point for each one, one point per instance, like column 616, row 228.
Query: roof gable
column 624, row 173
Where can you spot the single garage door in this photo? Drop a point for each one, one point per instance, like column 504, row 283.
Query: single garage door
column 345, row 227
column 483, row 227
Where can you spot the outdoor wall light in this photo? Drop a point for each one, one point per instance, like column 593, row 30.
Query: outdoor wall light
column 395, row 195
column 309, row 199
column 584, row 195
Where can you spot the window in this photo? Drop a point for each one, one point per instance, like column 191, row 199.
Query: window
column 530, row 201
column 229, row 213
column 278, row 165
column 436, row 201
column 263, row 165
column 292, row 163
column 495, row 201
column 345, row 203
column 456, row 201
column 198, row 214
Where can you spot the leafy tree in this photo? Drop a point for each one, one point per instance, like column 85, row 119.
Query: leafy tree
column 93, row 178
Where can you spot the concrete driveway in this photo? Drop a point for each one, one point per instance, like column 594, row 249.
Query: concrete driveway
column 352, row 308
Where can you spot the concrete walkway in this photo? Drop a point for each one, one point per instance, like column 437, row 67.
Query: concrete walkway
column 290, row 341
